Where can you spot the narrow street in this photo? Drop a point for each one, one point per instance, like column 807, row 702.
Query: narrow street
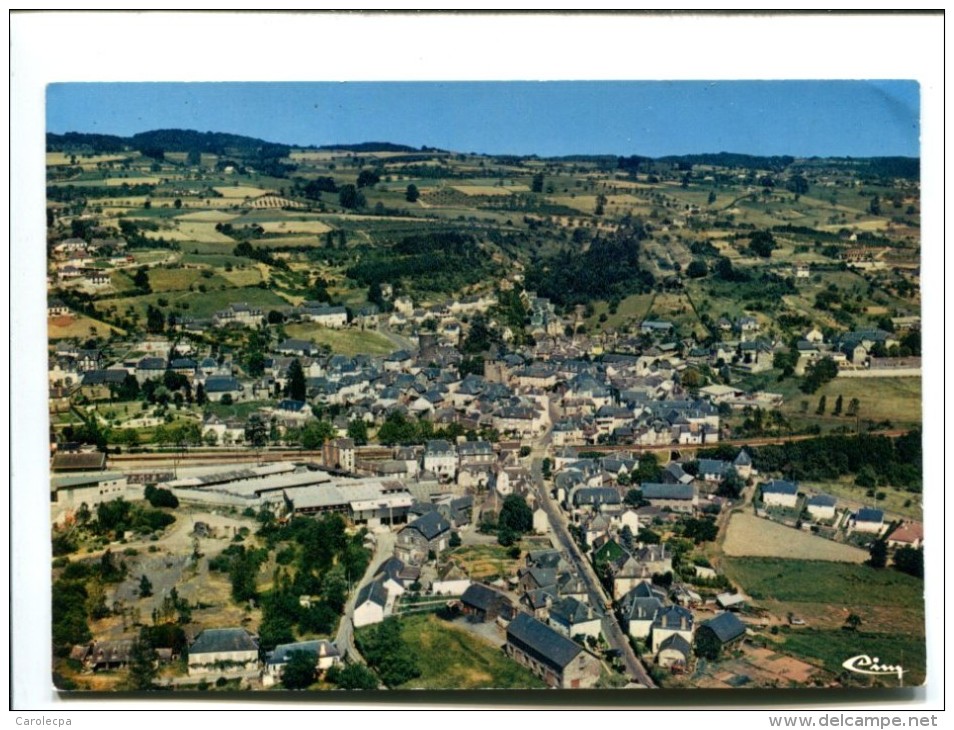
column 598, row 599
column 344, row 639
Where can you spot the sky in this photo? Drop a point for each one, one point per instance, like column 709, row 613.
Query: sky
column 550, row 118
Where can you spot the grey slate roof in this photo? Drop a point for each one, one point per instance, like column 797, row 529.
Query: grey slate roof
column 282, row 653
column 481, row 597
column 822, row 500
column 780, row 486
column 375, row 592
column 541, row 642
column 673, row 617
column 677, row 642
column 868, row 514
column 222, row 640
column 430, row 525
column 655, row 490
column 726, row 626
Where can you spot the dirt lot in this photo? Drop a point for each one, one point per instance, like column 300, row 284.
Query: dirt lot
column 754, row 667
column 752, row 536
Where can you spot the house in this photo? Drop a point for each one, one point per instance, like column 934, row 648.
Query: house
column 670, row 621
column 572, row 617
column 394, row 576
column 780, row 493
column 713, row 470
column 476, row 452
column 677, row 497
column 870, row 520
column 150, row 368
column 325, row 654
column 218, row 387
column 541, row 521
column 425, row 535
column 483, row 603
column 215, row 649
column 651, row 326
column 452, row 580
column 822, row 507
column 370, row 604
column 908, row 534
column 638, row 609
column 730, row 601
column 558, row 661
column 105, row 655
column 725, row 629
column 325, row 315
column 440, row 458
column 239, row 314
column 743, row 464
column 339, row 454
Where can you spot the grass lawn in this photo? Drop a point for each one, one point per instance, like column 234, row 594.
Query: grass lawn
column 237, row 410
column 748, row 535
column 176, row 279
column 452, row 658
column 895, row 502
column 343, row 341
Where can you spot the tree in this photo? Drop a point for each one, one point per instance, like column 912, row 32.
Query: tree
column 731, row 486
column 299, row 672
column 852, row 622
column 836, row 411
column 296, row 388
column 910, row 560
column 874, row 206
column 349, row 197
column 145, row 587
column 762, row 244
column 516, row 515
column 822, row 404
column 412, row 194
column 878, row 552
column 707, row 644
column 352, row 676
column 177, row 203
column 141, row 280
column 367, row 178
column 142, row 665
column 256, row 431
column 358, row 431
column 200, row 397
column 315, row 433
column 536, row 186
column 159, row 497
column 697, row 269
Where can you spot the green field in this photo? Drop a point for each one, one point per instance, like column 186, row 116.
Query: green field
column 830, row 648
column 894, row 399
column 199, row 304
column 819, row 581
column 343, row 341
column 452, row 658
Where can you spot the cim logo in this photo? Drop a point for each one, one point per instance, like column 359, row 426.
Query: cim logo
column 864, row 664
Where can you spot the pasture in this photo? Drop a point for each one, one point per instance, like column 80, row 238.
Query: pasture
column 748, row 535
column 78, row 327
column 291, row 225
column 348, row 341
column 240, row 192
column 895, row 399
column 825, row 593
column 191, row 230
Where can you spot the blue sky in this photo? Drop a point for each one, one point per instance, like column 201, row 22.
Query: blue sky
column 801, row 118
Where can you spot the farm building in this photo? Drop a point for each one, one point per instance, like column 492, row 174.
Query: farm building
column 780, row 493
column 558, row 661
column 68, row 493
column 485, row 604
column 571, row 617
column 677, row 497
column 725, row 629
column 215, row 648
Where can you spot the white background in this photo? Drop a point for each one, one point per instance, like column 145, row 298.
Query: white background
column 49, row 47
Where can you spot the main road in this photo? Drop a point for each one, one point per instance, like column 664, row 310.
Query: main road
column 598, row 599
